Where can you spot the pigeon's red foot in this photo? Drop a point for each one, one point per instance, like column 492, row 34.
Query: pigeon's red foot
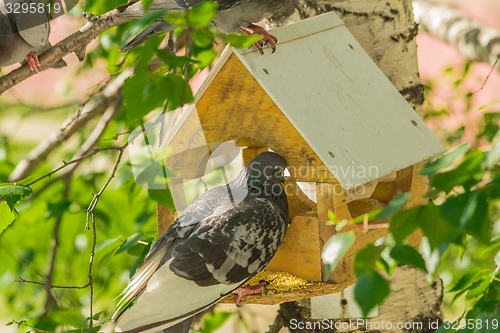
column 249, row 290
column 33, row 62
column 267, row 38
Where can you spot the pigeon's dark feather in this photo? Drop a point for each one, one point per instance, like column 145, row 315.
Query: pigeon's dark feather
column 226, row 236
column 225, row 249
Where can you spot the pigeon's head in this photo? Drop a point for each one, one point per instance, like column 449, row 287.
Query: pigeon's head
column 264, row 175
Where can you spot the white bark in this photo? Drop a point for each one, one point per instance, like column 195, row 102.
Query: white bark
column 473, row 39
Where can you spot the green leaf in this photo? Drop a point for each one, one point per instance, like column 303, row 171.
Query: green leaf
column 394, row 206
column 177, row 91
column 173, row 60
column 371, row 290
column 105, row 244
column 13, row 193
column 444, row 161
column 404, row 223
column 241, row 41
column 468, row 212
column 7, row 216
column 162, row 196
column 497, row 259
column 478, row 288
column 58, row 209
column 131, row 241
column 408, row 255
column 493, row 156
column 200, row 16
column 470, row 169
column 437, row 230
column 206, row 58
column 333, row 251
column 142, row 92
column 366, row 258
column 476, row 217
column 466, row 280
column 214, row 321
column 202, row 38
column 146, row 4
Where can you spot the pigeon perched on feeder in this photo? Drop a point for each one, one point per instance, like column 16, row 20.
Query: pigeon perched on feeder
column 232, row 16
column 24, row 34
column 225, row 237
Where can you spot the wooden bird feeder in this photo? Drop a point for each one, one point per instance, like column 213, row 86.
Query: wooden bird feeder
column 321, row 103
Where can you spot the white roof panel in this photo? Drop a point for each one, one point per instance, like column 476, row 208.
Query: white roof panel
column 340, row 101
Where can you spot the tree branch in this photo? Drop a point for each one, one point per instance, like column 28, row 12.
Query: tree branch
column 91, row 217
column 76, row 160
column 473, row 39
column 278, row 323
column 51, row 286
column 76, row 43
column 90, row 110
column 49, row 299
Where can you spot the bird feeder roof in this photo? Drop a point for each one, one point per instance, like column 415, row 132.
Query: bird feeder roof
column 338, row 99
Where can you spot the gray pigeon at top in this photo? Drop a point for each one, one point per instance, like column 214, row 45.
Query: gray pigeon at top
column 232, row 16
column 222, row 239
column 23, row 36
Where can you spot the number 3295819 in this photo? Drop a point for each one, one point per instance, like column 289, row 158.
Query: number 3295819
column 28, row 7
column 472, row 324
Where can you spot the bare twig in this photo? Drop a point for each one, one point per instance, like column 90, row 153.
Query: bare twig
column 49, row 299
column 24, row 323
column 91, row 217
column 76, row 160
column 487, row 76
column 51, row 286
column 76, row 43
column 96, row 134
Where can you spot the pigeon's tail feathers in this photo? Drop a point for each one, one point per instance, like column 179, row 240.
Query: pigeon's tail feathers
column 138, row 283
column 168, row 300
column 154, row 28
column 136, row 10
column 185, row 325
column 182, row 327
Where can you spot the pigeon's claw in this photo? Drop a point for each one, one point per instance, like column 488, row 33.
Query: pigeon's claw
column 33, row 62
column 267, row 38
column 249, row 290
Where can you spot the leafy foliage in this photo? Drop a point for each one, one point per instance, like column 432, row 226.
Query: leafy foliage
column 49, row 242
column 13, row 193
column 459, row 222
column 469, row 196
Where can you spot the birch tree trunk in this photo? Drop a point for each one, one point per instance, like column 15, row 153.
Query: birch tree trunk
column 472, row 38
column 387, row 32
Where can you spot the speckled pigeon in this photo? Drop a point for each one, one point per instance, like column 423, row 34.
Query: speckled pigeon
column 23, row 35
column 225, row 237
column 232, row 16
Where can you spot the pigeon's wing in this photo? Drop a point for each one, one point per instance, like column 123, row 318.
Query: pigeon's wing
column 34, row 28
column 201, row 208
column 156, row 27
column 221, row 253
column 223, row 4
column 232, row 247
